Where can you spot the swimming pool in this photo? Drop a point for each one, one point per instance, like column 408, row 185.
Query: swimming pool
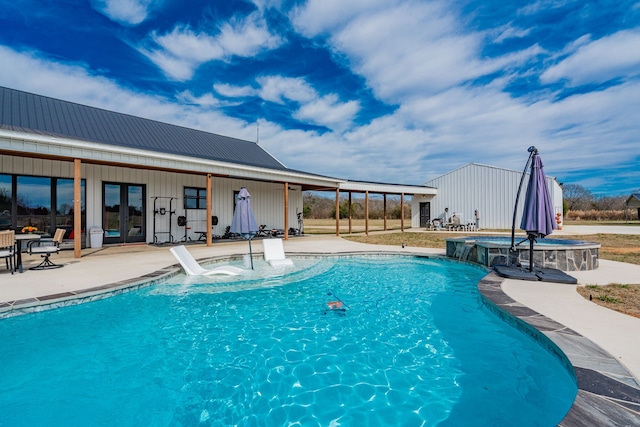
column 412, row 344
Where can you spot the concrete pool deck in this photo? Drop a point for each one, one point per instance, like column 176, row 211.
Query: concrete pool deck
column 118, row 267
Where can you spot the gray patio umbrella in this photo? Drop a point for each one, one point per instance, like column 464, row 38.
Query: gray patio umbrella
column 538, row 216
column 243, row 221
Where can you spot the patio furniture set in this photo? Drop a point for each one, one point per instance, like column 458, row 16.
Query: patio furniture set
column 12, row 247
column 455, row 223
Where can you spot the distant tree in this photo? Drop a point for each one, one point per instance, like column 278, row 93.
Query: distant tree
column 577, row 197
column 319, row 207
column 610, row 203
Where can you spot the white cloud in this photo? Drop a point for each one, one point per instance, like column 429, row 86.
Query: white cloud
column 424, row 138
column 246, row 37
column 611, row 57
column 405, row 49
column 540, row 5
column 277, row 89
column 127, row 12
column 30, row 72
column 206, row 100
column 180, row 52
column 231, row 91
column 319, row 16
column 328, row 111
column 508, row 32
column 324, row 110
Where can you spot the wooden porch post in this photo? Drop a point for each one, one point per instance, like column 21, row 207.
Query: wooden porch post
column 384, row 210
column 286, row 211
column 337, row 211
column 366, row 212
column 402, row 212
column 350, row 212
column 77, row 208
column 209, row 211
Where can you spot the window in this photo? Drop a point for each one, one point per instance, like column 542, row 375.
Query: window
column 64, row 205
column 39, row 202
column 5, row 201
column 195, row 198
column 236, row 193
column 33, row 197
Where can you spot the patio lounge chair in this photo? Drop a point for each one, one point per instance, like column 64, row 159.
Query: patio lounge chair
column 192, row 268
column 456, row 224
column 7, row 248
column 46, row 247
column 274, row 253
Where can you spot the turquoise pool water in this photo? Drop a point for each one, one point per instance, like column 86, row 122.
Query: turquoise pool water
column 410, row 344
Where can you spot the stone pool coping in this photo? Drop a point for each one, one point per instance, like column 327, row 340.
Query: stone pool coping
column 607, row 392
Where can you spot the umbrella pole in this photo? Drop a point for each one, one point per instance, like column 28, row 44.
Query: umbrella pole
column 532, row 151
column 250, row 253
column 531, row 239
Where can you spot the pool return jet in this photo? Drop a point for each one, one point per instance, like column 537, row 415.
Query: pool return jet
column 538, row 220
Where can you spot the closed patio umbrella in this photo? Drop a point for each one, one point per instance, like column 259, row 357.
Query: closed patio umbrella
column 538, row 220
column 538, row 217
column 243, row 221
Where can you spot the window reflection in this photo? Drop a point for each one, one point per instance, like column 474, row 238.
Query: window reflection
column 5, row 202
column 195, row 198
column 64, row 206
column 41, row 204
column 33, row 197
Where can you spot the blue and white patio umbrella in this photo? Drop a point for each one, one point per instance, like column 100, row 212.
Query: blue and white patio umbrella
column 243, row 222
column 538, row 216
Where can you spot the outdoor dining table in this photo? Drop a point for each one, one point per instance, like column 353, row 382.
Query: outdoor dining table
column 19, row 239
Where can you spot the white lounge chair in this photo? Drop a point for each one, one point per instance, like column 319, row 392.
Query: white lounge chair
column 274, row 253
column 192, row 268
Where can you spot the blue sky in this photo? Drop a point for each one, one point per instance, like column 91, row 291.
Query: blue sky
column 378, row 90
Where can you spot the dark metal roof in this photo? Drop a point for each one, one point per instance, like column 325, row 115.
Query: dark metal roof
column 27, row 112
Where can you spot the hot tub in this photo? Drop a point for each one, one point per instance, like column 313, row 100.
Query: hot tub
column 562, row 254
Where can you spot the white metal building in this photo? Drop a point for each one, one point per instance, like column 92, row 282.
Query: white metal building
column 489, row 190
column 71, row 166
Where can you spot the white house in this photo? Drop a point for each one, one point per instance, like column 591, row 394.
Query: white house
column 65, row 165
column 489, row 190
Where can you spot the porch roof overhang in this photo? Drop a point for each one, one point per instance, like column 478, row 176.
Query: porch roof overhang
column 380, row 188
column 50, row 147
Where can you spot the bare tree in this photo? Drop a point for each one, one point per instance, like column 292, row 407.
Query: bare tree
column 610, row 203
column 577, row 197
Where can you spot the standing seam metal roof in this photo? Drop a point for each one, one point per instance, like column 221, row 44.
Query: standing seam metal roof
column 26, row 112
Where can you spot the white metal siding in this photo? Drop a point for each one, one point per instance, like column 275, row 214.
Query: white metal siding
column 489, row 189
column 267, row 199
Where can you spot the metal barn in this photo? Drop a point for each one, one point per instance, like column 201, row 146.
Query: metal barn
column 489, row 190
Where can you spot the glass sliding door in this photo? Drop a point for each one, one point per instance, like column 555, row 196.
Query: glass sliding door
column 112, row 223
column 123, row 213
column 135, row 207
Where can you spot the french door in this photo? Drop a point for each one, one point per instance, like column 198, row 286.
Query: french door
column 123, row 213
column 425, row 214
